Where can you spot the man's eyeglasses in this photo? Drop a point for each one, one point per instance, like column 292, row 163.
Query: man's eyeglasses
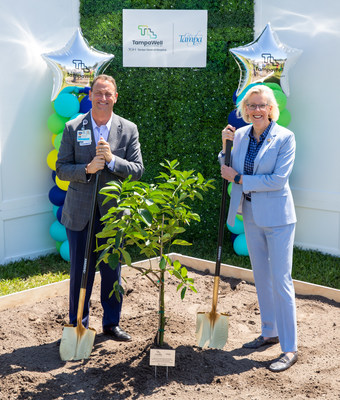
column 253, row 107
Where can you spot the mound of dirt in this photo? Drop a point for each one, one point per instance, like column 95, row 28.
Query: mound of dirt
column 30, row 367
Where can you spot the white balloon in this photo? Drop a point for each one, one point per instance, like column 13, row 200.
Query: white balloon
column 265, row 59
column 76, row 64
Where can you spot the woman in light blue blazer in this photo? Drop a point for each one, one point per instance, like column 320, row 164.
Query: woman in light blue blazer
column 261, row 162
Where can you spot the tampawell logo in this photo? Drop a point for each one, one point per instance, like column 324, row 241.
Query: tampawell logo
column 149, row 37
column 146, row 31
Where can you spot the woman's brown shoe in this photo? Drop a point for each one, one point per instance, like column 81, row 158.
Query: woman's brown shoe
column 260, row 341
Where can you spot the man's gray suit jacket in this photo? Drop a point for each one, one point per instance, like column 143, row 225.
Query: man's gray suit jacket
column 73, row 158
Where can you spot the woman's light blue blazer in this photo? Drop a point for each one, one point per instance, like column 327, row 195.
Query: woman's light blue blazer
column 271, row 197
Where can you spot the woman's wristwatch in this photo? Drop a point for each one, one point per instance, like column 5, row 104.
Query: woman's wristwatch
column 237, row 178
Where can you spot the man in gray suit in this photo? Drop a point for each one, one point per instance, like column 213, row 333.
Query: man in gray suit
column 97, row 141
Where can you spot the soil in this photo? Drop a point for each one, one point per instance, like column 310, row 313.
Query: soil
column 30, row 366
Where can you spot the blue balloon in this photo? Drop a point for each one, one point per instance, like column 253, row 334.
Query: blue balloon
column 70, row 89
column 57, row 196
column 86, row 90
column 54, row 174
column 233, row 237
column 55, row 210
column 66, row 105
column 76, row 115
column 65, row 250
column 244, row 91
column 58, row 232
column 85, row 104
column 237, row 228
column 236, row 121
column 240, row 245
column 59, row 213
column 235, row 97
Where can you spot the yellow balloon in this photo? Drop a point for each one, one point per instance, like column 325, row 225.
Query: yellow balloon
column 81, row 96
column 63, row 185
column 52, row 159
column 53, row 138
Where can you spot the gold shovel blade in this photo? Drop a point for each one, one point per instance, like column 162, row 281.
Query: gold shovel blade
column 76, row 342
column 212, row 332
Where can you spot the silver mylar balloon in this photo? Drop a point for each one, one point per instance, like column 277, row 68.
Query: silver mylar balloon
column 266, row 59
column 76, row 64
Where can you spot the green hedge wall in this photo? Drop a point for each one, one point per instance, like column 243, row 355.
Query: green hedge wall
column 180, row 112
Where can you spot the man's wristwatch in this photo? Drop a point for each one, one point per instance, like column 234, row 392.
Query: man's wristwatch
column 237, row 178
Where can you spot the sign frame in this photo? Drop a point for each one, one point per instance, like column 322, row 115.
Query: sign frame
column 165, row 38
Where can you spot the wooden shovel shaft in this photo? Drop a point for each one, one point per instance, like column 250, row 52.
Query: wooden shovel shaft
column 215, row 294
column 88, row 247
column 227, row 145
column 77, row 343
column 90, row 231
column 212, row 328
column 81, row 302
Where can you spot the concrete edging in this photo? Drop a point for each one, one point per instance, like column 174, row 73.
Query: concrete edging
column 34, row 295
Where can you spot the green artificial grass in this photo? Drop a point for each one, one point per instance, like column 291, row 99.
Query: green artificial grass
column 27, row 274
column 308, row 266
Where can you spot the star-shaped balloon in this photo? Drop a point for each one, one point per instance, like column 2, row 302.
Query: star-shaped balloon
column 266, row 59
column 76, row 64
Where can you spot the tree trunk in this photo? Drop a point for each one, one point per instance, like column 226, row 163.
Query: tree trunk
column 161, row 322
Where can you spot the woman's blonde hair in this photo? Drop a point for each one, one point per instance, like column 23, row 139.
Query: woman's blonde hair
column 271, row 101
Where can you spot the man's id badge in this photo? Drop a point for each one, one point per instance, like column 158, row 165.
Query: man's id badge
column 84, row 137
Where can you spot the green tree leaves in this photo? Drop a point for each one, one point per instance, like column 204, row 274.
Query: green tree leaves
column 151, row 216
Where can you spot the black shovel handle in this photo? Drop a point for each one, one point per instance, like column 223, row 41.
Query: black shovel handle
column 228, row 146
column 90, row 229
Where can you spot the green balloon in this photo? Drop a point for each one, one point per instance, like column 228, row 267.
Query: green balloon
column 273, row 86
column 230, row 185
column 281, row 99
column 58, row 245
column 285, row 118
column 239, row 216
column 57, row 140
column 56, row 123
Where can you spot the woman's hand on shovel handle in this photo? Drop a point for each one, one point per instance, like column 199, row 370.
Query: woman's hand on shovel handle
column 228, row 173
column 228, row 133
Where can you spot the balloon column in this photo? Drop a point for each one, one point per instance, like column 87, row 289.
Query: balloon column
column 265, row 61
column 73, row 67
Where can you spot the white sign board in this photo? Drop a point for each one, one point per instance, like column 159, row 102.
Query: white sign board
column 162, row 357
column 165, row 38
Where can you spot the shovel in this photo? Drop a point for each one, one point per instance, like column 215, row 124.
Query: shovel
column 77, row 342
column 212, row 327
